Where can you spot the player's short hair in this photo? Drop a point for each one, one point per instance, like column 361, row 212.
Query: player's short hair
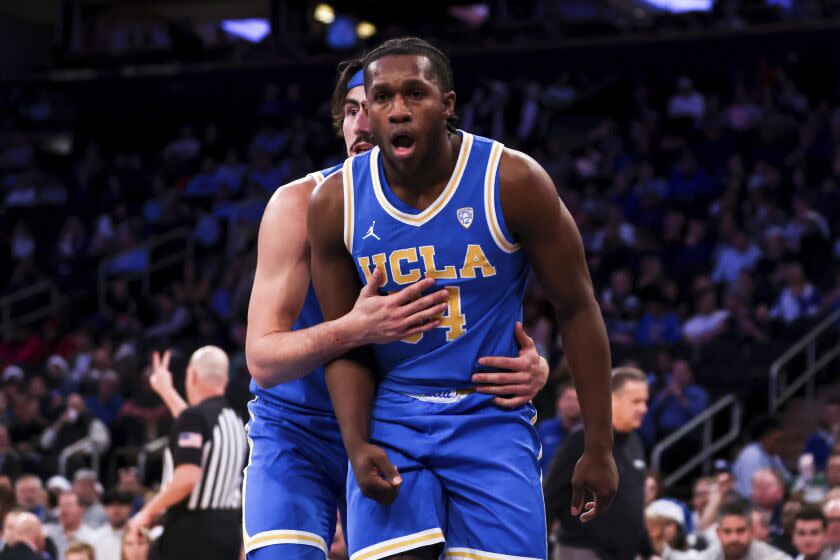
column 418, row 47
column 346, row 70
column 81, row 547
column 623, row 375
column 810, row 512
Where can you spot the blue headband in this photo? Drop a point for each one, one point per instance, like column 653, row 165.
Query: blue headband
column 357, row 80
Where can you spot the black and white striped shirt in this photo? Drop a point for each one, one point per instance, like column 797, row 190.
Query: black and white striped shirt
column 211, row 436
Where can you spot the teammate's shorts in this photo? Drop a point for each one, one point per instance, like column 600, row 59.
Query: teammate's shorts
column 471, row 480
column 294, row 483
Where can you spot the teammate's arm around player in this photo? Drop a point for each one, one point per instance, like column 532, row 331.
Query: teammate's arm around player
column 552, row 243
column 276, row 354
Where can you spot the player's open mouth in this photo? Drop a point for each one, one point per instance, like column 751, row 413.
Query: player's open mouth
column 403, row 145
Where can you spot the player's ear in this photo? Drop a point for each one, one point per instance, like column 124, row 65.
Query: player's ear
column 448, row 99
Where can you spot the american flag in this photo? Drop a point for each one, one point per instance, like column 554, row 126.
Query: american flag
column 190, row 439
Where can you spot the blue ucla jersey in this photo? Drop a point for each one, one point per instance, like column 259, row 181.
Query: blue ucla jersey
column 461, row 241
column 309, row 391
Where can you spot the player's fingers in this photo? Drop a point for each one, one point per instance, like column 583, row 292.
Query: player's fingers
column 426, row 302
column 384, row 465
column 514, row 402
column 501, row 378
column 418, row 329
column 578, row 493
column 522, row 337
column 381, row 490
column 370, row 289
column 425, row 315
column 166, row 356
column 414, row 291
column 504, row 390
column 502, row 362
column 591, row 511
column 155, row 361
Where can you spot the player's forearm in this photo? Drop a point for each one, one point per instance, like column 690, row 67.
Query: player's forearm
column 587, row 351
column 280, row 357
column 352, row 389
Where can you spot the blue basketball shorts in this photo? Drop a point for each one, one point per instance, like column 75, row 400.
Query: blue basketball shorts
column 294, row 483
column 471, row 480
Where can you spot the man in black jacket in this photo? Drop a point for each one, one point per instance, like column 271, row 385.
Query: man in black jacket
column 620, row 533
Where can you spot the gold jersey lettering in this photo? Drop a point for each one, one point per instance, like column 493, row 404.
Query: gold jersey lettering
column 428, row 254
column 378, row 262
column 409, row 256
column 476, row 259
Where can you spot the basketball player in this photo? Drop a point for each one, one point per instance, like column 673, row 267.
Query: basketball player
column 296, row 477
column 435, row 462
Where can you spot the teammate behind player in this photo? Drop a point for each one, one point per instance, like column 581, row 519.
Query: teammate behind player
column 466, row 211
column 297, row 470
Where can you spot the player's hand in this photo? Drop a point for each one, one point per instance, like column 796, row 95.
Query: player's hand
column 377, row 477
column 161, row 378
column 527, row 374
column 378, row 319
column 594, row 473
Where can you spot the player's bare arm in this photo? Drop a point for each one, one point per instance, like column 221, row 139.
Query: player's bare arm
column 548, row 235
column 351, row 383
column 274, row 352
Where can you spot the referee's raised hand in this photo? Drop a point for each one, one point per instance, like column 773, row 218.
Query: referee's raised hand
column 161, row 378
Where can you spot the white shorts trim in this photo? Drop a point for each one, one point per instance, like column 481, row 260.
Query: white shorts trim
column 268, row 538
column 459, row 553
column 400, row 544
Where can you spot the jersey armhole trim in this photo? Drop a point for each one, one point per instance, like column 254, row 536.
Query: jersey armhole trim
column 496, row 230
column 317, row 176
column 349, row 217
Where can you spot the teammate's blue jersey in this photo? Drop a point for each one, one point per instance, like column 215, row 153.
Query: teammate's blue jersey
column 309, row 391
column 461, row 240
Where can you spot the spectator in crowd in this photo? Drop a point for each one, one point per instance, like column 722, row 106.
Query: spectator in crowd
column 69, row 528
column 832, row 471
column 79, row 551
column 657, row 325
column 10, row 463
column 831, row 511
column 75, row 426
column 762, row 453
column 809, row 535
column 85, row 486
column 135, row 545
column 735, row 534
column 686, row 102
column 620, row 532
column 107, row 540
column 665, row 521
column 143, row 416
column 733, row 258
column 653, row 487
column 553, row 431
column 798, row 300
column 768, row 496
column 678, row 401
column 819, row 444
column 29, row 495
column 108, row 402
column 28, row 542
column 709, row 321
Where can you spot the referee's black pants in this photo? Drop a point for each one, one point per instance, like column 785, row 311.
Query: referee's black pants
column 202, row 535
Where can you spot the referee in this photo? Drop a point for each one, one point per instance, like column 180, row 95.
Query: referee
column 202, row 471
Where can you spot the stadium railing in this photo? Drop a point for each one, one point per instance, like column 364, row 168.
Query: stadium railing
column 143, row 261
column 709, row 445
column 28, row 305
column 818, row 348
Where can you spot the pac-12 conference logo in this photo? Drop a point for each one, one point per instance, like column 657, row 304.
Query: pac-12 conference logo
column 465, row 216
